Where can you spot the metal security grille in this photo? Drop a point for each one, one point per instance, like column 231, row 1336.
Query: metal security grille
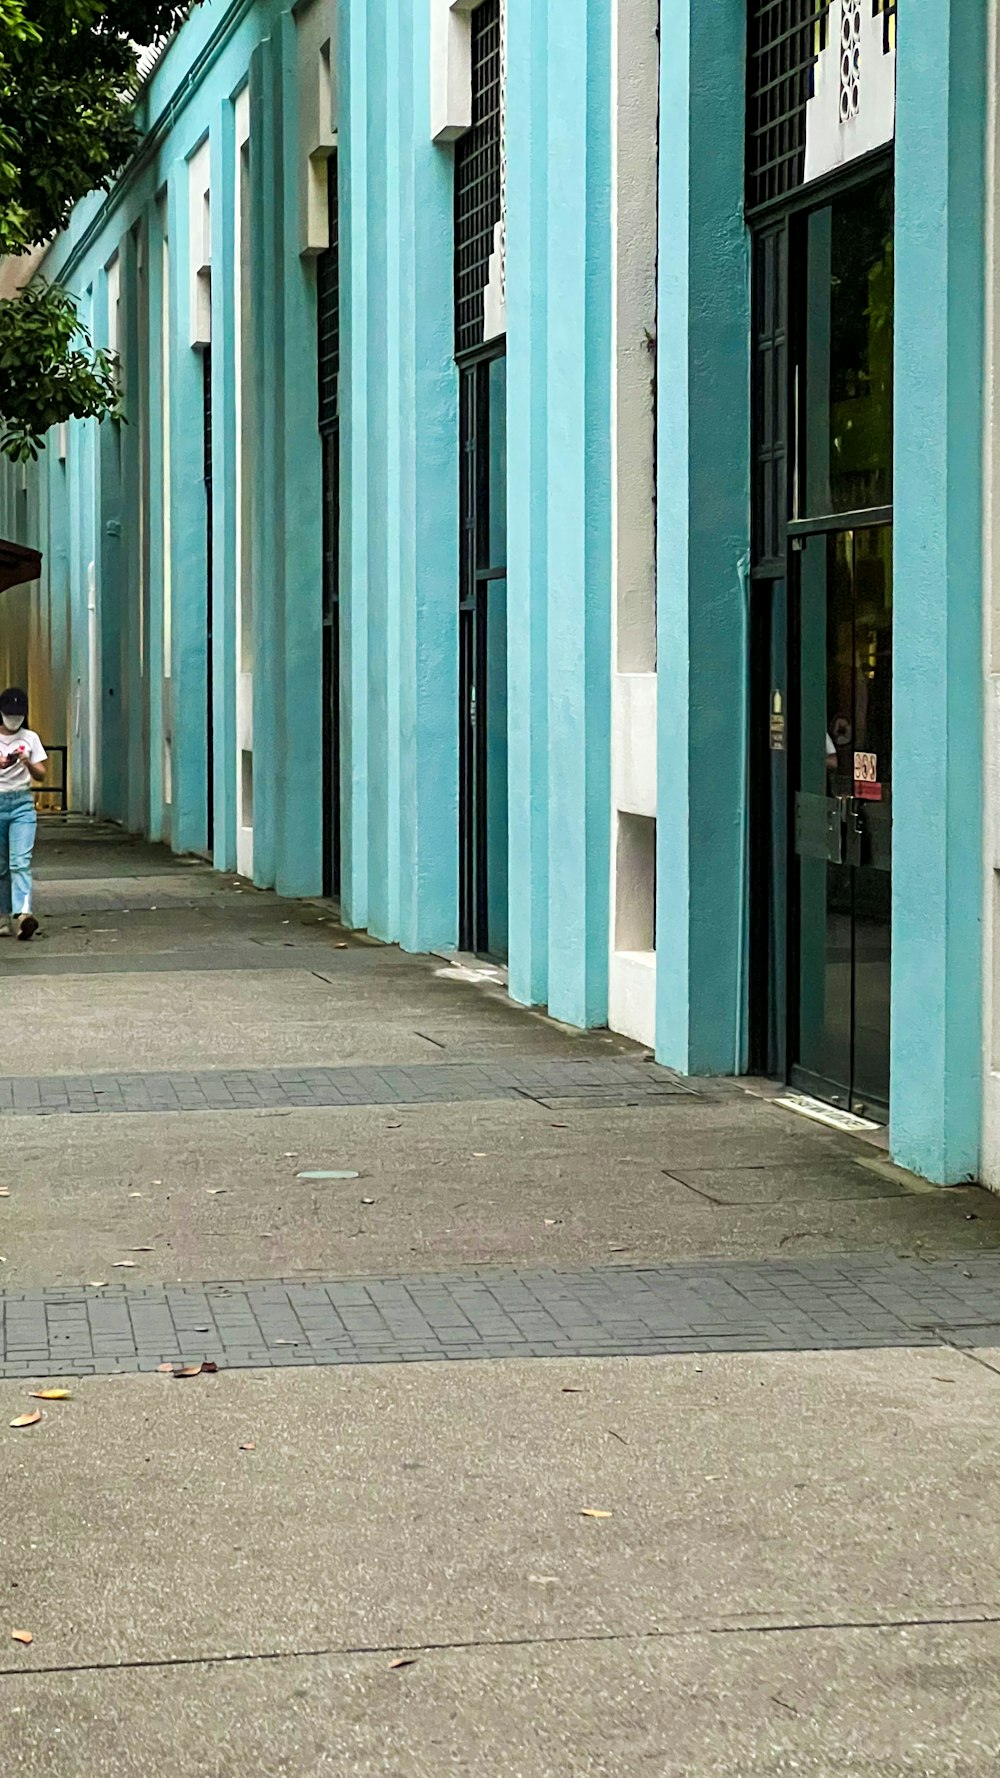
column 770, row 399
column 477, row 180
column 328, row 309
column 785, row 38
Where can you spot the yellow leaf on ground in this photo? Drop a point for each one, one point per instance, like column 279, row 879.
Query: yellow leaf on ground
column 594, row 1512
column 24, row 1636
column 51, row 1394
column 28, row 1419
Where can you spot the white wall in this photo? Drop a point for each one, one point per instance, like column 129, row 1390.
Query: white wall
column 632, row 963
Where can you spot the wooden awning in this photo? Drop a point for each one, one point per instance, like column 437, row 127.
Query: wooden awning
column 17, row 564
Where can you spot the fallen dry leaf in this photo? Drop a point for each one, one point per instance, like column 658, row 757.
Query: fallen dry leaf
column 28, row 1419
column 140, row 1250
column 249, row 1446
column 368, row 1200
column 188, row 1370
column 51, row 1394
column 24, row 1636
column 215, row 1191
column 168, row 1369
column 543, row 1580
column 594, row 1512
column 479, row 1154
column 98, row 1284
column 209, row 1367
column 123, row 1265
column 4, row 1193
column 404, row 1661
column 572, row 1389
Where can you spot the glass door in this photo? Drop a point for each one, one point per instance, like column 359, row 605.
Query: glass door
column 840, row 556
column 843, row 816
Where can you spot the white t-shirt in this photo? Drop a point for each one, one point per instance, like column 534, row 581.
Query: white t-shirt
column 26, row 744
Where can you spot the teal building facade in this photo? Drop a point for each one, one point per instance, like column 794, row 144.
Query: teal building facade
column 547, row 511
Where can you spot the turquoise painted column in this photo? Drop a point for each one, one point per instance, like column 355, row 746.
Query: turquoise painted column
column 578, row 366
column 154, row 640
column 703, row 479
column 188, row 540
column 131, row 667
column 381, row 601
column 428, row 521
column 935, row 1094
column 527, row 513
column 107, row 555
column 268, row 323
column 352, row 173
column 300, row 830
column 224, row 447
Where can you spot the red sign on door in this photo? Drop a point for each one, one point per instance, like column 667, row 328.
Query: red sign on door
column 866, row 785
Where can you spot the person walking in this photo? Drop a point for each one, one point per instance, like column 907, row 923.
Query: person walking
column 22, row 763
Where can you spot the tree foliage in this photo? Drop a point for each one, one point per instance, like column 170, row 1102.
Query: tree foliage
column 68, row 82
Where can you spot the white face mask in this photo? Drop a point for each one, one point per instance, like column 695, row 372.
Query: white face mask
column 11, row 723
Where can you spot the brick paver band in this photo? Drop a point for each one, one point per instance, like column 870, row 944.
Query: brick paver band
column 600, row 1084
column 843, row 1303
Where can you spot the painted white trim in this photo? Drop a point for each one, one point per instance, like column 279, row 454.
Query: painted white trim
column 316, row 44
column 200, row 244
column 451, row 69
column 634, row 89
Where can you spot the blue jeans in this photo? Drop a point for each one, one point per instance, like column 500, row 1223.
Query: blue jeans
column 18, row 821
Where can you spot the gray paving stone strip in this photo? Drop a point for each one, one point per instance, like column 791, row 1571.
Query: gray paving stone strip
column 844, row 1303
column 610, row 1081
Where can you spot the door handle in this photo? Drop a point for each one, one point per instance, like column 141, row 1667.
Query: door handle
column 854, row 831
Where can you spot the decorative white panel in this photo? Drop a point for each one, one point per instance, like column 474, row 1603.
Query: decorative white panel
column 853, row 107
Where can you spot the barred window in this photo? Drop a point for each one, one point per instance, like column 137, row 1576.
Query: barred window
column 783, row 47
column 328, row 309
column 477, row 180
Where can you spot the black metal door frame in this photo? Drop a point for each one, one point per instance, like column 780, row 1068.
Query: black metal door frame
column 328, row 364
column 773, row 634
column 474, row 581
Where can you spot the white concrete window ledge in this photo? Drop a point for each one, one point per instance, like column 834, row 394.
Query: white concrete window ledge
column 451, row 68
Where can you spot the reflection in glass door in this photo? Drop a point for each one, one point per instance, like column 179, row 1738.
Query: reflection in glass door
column 843, row 816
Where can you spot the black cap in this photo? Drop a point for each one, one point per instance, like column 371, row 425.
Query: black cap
column 14, row 701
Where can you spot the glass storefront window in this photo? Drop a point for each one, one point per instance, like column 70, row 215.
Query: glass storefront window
column 844, row 368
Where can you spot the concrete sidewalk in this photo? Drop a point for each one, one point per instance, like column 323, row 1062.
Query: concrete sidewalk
column 799, row 1570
